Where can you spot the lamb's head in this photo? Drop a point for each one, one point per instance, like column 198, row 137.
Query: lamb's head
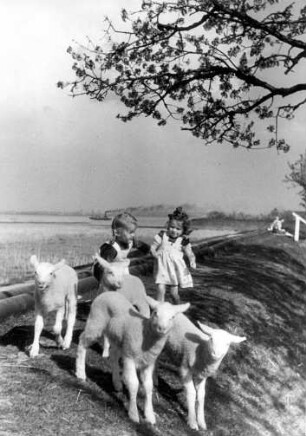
column 44, row 272
column 163, row 314
column 219, row 340
column 112, row 276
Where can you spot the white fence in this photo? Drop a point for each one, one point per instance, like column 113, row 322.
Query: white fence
column 298, row 220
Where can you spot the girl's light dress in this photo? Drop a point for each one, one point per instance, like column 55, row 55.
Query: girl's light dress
column 170, row 267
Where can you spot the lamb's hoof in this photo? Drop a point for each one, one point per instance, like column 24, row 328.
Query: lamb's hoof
column 59, row 343
column 151, row 429
column 33, row 351
column 65, row 345
column 202, row 426
column 32, row 355
column 134, row 417
column 105, row 354
column 151, row 420
column 193, row 425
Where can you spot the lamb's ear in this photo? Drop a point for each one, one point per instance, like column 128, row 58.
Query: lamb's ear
column 237, row 339
column 59, row 264
column 101, row 261
column 34, row 261
column 151, row 302
column 180, row 308
column 206, row 329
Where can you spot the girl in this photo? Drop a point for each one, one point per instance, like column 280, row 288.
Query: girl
column 169, row 248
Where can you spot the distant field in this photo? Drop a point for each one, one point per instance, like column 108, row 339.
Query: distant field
column 75, row 242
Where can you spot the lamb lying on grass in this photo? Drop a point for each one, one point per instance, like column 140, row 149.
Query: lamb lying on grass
column 198, row 356
column 130, row 286
column 55, row 290
column 134, row 338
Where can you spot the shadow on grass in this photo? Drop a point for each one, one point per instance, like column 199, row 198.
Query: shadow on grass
column 100, row 388
column 22, row 337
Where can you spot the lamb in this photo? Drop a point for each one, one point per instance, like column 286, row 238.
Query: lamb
column 137, row 340
column 55, row 290
column 199, row 356
column 130, row 286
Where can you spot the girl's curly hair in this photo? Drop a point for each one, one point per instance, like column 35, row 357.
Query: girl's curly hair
column 180, row 215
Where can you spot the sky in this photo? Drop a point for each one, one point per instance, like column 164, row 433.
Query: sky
column 65, row 154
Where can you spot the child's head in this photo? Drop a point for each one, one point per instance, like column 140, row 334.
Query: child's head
column 124, row 227
column 179, row 223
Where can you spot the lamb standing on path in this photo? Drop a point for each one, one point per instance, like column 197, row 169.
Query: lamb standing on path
column 55, row 290
column 134, row 338
column 198, row 356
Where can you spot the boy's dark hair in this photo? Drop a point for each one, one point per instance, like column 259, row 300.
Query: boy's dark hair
column 181, row 216
column 123, row 220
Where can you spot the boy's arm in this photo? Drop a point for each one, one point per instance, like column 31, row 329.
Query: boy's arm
column 141, row 247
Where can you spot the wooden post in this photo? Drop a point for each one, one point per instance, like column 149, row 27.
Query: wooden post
column 297, row 229
column 15, row 305
column 298, row 220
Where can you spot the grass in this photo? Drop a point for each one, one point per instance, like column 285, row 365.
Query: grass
column 77, row 248
column 76, row 244
column 253, row 287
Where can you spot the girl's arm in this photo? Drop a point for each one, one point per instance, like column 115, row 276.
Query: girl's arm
column 154, row 249
column 190, row 255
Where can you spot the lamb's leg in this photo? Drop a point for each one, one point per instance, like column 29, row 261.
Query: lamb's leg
column 106, row 347
column 38, row 327
column 147, row 380
column 200, row 387
column 57, row 328
column 93, row 331
column 84, row 343
column 114, row 360
column 191, row 399
column 132, row 383
column 70, row 323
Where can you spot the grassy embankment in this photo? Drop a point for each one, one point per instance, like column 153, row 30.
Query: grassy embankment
column 255, row 287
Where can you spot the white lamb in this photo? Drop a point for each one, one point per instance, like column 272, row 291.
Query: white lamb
column 198, row 356
column 128, row 285
column 55, row 290
column 134, row 338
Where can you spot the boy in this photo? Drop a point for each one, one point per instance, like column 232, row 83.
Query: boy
column 119, row 249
